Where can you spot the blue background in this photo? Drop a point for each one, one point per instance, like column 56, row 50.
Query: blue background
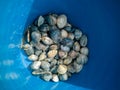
column 99, row 19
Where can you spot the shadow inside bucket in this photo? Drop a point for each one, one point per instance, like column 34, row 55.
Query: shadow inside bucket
column 100, row 73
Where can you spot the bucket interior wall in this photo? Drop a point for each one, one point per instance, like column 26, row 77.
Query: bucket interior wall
column 99, row 19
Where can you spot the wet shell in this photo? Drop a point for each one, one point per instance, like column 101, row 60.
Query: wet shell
column 84, row 50
column 77, row 67
column 40, row 46
column 38, row 52
column 67, row 42
column 61, row 21
column 34, row 28
column 62, row 69
column 42, row 56
column 28, row 49
column 47, row 40
column 63, row 77
column 65, row 48
column 51, row 20
column 35, row 65
column 55, row 78
column 71, row 36
column 47, row 76
column 60, row 61
column 82, row 59
column 55, row 35
column 36, row 36
column 45, row 65
column 54, row 69
column 33, row 57
column 44, row 34
column 53, row 62
column 40, row 20
column 52, row 53
column 28, row 36
column 77, row 34
column 68, row 28
column 76, row 46
column 70, row 68
column 73, row 54
column 62, row 54
column 67, row 60
column 44, row 28
column 54, row 47
column 83, row 40
column 38, row 72
column 64, row 33
column 48, row 59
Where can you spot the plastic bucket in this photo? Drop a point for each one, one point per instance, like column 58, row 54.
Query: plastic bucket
column 99, row 19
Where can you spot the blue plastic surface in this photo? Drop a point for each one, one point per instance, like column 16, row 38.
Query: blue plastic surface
column 99, row 19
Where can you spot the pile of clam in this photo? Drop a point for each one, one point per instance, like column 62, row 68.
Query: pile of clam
column 55, row 47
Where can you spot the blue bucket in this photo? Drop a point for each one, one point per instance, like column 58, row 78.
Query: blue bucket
column 99, row 19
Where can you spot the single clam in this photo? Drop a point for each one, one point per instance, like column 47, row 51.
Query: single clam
column 35, row 65
column 82, row 59
column 71, row 36
column 61, row 21
column 64, row 33
column 67, row 60
column 62, row 54
column 83, row 40
column 84, row 50
column 52, row 53
column 44, row 28
column 62, row 69
column 47, row 76
column 51, row 19
column 40, row 20
column 53, row 47
column 33, row 57
column 67, row 42
column 77, row 34
column 63, row 77
column 47, row 40
column 77, row 67
column 45, row 65
column 76, row 46
column 70, row 68
column 65, row 48
column 73, row 54
column 42, row 56
column 55, row 78
column 55, row 35
column 36, row 36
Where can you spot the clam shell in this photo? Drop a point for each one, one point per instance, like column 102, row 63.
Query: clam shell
column 67, row 60
column 76, row 46
column 64, row 33
column 35, row 65
column 62, row 54
column 33, row 57
column 63, row 77
column 62, row 69
column 47, row 76
column 45, row 65
column 83, row 40
column 42, row 56
column 61, row 21
column 82, row 59
column 40, row 20
column 55, row 78
column 47, row 40
column 52, row 53
column 84, row 50
column 77, row 67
